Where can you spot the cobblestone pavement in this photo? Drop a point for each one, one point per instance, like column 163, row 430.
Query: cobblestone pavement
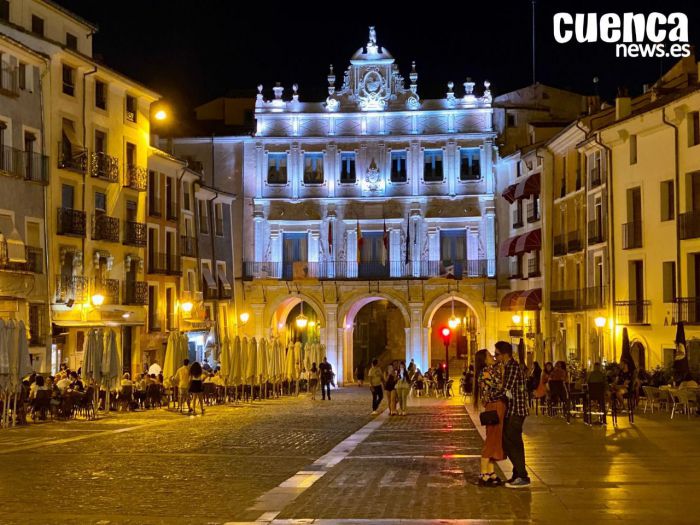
column 295, row 461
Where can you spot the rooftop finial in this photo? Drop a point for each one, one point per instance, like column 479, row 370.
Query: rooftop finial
column 372, row 37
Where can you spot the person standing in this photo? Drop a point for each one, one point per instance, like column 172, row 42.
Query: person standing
column 326, row 371
column 376, row 379
column 182, row 379
column 390, row 388
column 516, row 411
column 403, row 386
column 196, row 387
column 313, row 381
column 488, row 391
column 360, row 374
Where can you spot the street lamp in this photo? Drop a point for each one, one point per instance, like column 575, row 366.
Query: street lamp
column 98, row 299
column 516, row 319
column 187, row 306
column 453, row 321
column 160, row 115
column 244, row 317
column 600, row 324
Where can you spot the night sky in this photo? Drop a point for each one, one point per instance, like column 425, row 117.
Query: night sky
column 193, row 51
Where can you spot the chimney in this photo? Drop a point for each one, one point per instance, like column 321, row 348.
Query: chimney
column 623, row 104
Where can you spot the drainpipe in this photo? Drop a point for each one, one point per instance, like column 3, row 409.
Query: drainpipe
column 677, row 202
column 543, row 259
column 611, row 234
column 212, row 236
column 94, row 70
column 45, row 194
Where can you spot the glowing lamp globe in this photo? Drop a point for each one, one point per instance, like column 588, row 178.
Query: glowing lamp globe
column 600, row 322
column 453, row 322
column 98, row 299
column 187, row 306
column 516, row 319
column 245, row 316
column 301, row 321
column 160, row 115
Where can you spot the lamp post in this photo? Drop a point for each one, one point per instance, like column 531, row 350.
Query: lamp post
column 446, row 334
column 600, row 324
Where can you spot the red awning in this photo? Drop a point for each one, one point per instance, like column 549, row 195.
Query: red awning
column 530, row 186
column 510, row 301
column 529, row 242
column 509, row 193
column 508, row 247
column 530, row 299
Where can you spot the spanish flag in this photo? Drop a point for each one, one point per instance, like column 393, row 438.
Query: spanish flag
column 359, row 242
column 385, row 245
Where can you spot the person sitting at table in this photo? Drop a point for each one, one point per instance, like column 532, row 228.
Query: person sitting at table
column 596, row 375
column 63, row 384
column 622, row 382
column 688, row 382
column 126, row 381
column 76, row 384
column 38, row 384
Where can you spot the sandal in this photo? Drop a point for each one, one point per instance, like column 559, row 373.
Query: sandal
column 494, row 480
column 484, row 480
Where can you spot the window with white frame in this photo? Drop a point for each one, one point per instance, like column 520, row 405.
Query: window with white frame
column 313, row 168
column 432, row 165
column 277, row 168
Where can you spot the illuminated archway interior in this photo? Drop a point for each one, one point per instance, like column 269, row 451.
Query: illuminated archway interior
column 464, row 339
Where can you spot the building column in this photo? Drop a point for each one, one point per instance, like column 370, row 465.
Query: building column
column 331, row 332
column 434, row 250
column 473, row 252
column 313, row 252
column 351, row 253
column 415, row 348
column 258, row 315
column 490, row 242
column 395, row 261
column 259, row 232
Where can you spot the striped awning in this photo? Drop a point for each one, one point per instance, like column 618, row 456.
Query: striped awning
column 530, row 299
column 509, row 193
column 508, row 247
column 527, row 187
column 529, row 242
column 510, row 301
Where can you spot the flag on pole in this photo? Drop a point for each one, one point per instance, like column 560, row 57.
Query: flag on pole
column 359, row 242
column 330, row 237
column 408, row 239
column 385, row 248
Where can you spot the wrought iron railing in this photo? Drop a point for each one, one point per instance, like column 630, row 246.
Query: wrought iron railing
column 135, row 293
column 690, row 224
column 30, row 166
column 103, row 166
column 686, row 309
column 164, row 263
column 596, row 232
column 560, row 245
column 71, row 287
column 188, row 246
column 71, row 222
column 632, row 312
column 109, row 288
column 135, row 177
column 632, row 235
column 590, row 298
column 105, row 228
column 573, row 241
column 33, row 260
column 364, row 270
column 134, row 233
column 72, row 157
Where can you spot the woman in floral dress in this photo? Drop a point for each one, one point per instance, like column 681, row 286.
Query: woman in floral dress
column 488, row 392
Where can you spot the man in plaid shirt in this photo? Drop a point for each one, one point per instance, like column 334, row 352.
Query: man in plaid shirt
column 516, row 412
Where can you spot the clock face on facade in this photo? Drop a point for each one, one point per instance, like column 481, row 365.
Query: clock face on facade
column 373, row 82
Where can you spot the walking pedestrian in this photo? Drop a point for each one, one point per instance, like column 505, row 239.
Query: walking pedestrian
column 196, row 387
column 376, row 379
column 313, row 381
column 360, row 374
column 403, row 386
column 516, row 411
column 390, row 388
column 488, row 393
column 326, row 371
column 182, row 380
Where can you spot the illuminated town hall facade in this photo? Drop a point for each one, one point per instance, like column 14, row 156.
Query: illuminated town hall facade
column 371, row 195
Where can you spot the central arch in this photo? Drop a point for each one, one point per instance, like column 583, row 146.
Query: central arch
column 347, row 315
column 277, row 314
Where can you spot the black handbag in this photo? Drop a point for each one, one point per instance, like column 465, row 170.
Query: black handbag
column 489, row 417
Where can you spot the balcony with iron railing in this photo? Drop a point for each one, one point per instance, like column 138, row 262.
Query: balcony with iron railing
column 108, row 288
column 369, row 270
column 632, row 235
column 33, row 260
column 27, row 165
column 71, row 287
column 70, row 222
column 559, row 245
column 632, row 312
column 573, row 241
column 135, row 177
column 689, row 224
column 164, row 263
column 9, row 80
column 533, row 212
column 134, row 233
column 596, row 232
column 188, row 246
column 72, row 157
column 104, row 167
column 517, row 219
column 687, row 310
column 105, row 228
column 135, row 293
column 590, row 298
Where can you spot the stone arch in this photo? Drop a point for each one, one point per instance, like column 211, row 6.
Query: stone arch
column 346, row 316
column 441, row 300
column 278, row 309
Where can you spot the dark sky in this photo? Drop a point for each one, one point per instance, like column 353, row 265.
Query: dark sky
column 192, row 51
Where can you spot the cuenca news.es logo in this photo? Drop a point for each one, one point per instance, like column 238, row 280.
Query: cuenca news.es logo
column 634, row 34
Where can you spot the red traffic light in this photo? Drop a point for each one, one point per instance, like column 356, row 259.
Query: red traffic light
column 444, row 365
column 445, row 332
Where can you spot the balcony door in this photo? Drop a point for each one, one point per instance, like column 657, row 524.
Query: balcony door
column 453, row 251
column 636, row 287
column 371, row 264
column 695, row 191
column 67, row 196
column 634, row 205
column 294, row 250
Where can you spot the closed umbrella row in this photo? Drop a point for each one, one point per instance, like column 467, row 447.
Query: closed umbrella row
column 14, row 365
